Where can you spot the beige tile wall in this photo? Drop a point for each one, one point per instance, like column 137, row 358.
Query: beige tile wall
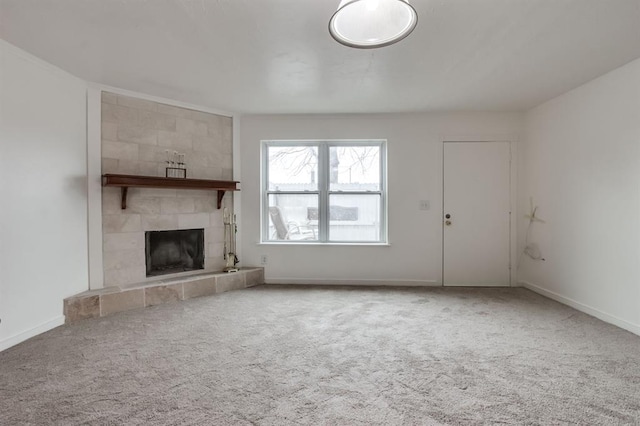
column 135, row 136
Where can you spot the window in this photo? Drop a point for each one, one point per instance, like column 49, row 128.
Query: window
column 324, row 191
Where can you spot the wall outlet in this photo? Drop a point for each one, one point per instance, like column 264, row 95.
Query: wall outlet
column 263, row 259
column 424, row 205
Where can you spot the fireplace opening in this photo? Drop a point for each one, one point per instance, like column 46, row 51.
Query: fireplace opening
column 169, row 252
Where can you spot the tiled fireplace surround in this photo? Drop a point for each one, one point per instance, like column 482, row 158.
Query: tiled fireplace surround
column 135, row 136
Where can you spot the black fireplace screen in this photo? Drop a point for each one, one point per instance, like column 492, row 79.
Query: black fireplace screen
column 169, row 252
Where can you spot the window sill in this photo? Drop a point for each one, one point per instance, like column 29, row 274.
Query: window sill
column 317, row 244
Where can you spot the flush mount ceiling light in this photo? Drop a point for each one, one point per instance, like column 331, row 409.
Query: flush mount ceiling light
column 366, row 24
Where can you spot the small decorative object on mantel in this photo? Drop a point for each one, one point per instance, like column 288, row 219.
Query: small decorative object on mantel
column 176, row 168
column 230, row 230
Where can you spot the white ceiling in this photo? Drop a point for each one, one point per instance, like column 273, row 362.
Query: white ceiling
column 276, row 56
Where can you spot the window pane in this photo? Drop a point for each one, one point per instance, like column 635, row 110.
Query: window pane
column 293, row 217
column 354, row 217
column 354, row 168
column 293, row 168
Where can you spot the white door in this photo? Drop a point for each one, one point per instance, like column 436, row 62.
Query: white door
column 476, row 214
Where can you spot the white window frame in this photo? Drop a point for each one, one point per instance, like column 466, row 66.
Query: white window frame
column 323, row 190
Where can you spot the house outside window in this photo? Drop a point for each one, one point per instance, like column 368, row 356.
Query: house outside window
column 324, row 191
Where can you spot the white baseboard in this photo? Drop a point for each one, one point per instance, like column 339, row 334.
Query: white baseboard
column 611, row 319
column 28, row 334
column 324, row 281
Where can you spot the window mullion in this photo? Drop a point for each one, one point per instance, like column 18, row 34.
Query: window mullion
column 323, row 187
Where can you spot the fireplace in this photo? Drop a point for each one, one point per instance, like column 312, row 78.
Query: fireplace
column 170, row 252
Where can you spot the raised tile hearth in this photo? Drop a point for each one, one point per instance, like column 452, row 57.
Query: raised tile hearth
column 107, row 301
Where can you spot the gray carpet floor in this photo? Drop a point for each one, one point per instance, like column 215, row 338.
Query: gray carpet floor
column 278, row 355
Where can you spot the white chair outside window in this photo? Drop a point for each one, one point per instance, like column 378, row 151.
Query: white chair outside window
column 289, row 230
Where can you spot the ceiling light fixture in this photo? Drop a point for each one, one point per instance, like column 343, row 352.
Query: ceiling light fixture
column 366, row 24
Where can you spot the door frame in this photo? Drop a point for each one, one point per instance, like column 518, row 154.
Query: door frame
column 511, row 140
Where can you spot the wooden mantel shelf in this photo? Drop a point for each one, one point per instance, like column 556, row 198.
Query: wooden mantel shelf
column 127, row 181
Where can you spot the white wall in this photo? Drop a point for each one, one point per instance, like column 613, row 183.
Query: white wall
column 43, row 219
column 414, row 173
column 581, row 165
